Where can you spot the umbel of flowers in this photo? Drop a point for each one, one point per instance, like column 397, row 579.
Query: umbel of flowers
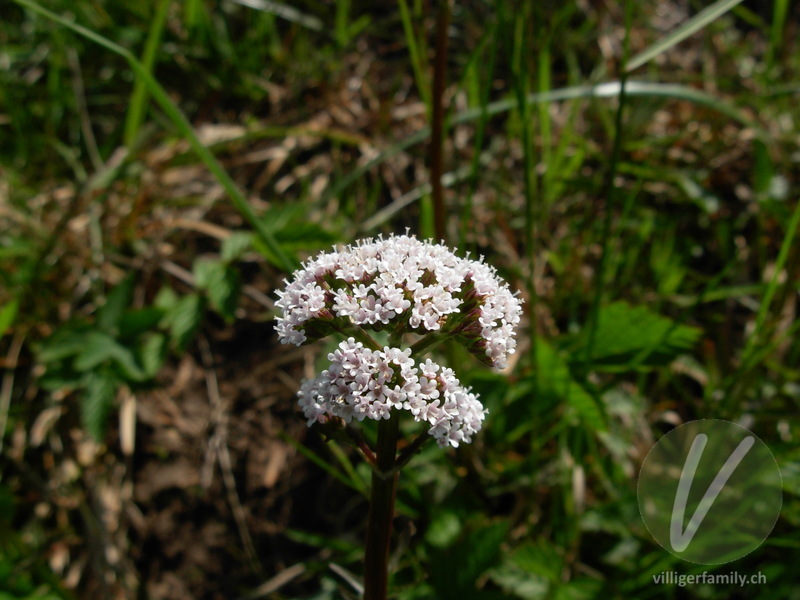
column 412, row 289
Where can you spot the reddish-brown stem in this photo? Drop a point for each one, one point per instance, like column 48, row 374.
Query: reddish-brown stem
column 358, row 439
column 409, row 451
column 381, row 511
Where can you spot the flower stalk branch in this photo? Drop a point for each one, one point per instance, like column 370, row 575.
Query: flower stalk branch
column 362, row 446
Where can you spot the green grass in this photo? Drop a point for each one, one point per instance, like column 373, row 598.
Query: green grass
column 633, row 170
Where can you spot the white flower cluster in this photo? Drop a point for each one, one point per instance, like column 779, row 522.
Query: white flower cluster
column 402, row 281
column 363, row 383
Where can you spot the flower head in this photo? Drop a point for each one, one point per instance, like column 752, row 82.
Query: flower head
column 362, row 383
column 381, row 283
column 402, row 285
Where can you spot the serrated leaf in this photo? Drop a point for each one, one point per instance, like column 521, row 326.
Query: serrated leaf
column 59, row 376
column 236, row 245
column 109, row 315
column 7, row 315
column 139, row 321
column 96, row 402
column 206, row 271
column 128, row 366
column 183, row 319
column 152, row 353
column 96, row 349
column 221, row 283
column 555, row 380
column 101, row 348
column 634, row 336
column 62, row 344
column 539, row 557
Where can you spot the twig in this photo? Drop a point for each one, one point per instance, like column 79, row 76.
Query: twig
column 219, row 445
column 185, row 276
column 8, row 382
column 409, row 451
column 351, row 579
column 83, row 111
column 361, row 444
column 273, row 585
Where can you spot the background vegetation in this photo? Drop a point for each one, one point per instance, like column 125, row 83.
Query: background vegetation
column 163, row 166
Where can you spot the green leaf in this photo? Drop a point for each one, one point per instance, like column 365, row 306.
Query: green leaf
column 96, row 402
column 206, row 271
column 100, row 348
column 443, row 529
column 690, row 26
column 582, row 588
column 166, row 298
column 63, row 343
column 152, row 353
column 59, row 376
column 109, row 315
column 634, row 336
column 293, row 232
column 97, row 348
column 454, row 571
column 7, row 315
column 555, row 381
column 183, row 319
column 534, row 571
column 136, row 322
column 234, row 246
column 221, row 283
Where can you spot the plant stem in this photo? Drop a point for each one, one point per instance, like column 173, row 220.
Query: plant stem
column 425, row 343
column 409, row 451
column 381, row 511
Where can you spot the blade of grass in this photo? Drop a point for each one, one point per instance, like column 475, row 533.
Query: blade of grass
column 284, row 11
column 438, row 125
column 519, row 72
column 324, row 465
column 480, row 129
column 348, row 467
column 693, row 25
column 610, row 192
column 779, row 12
column 140, row 96
column 417, row 60
column 544, row 84
column 772, row 288
column 181, row 124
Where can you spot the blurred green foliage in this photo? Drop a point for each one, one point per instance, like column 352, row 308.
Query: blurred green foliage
column 661, row 278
